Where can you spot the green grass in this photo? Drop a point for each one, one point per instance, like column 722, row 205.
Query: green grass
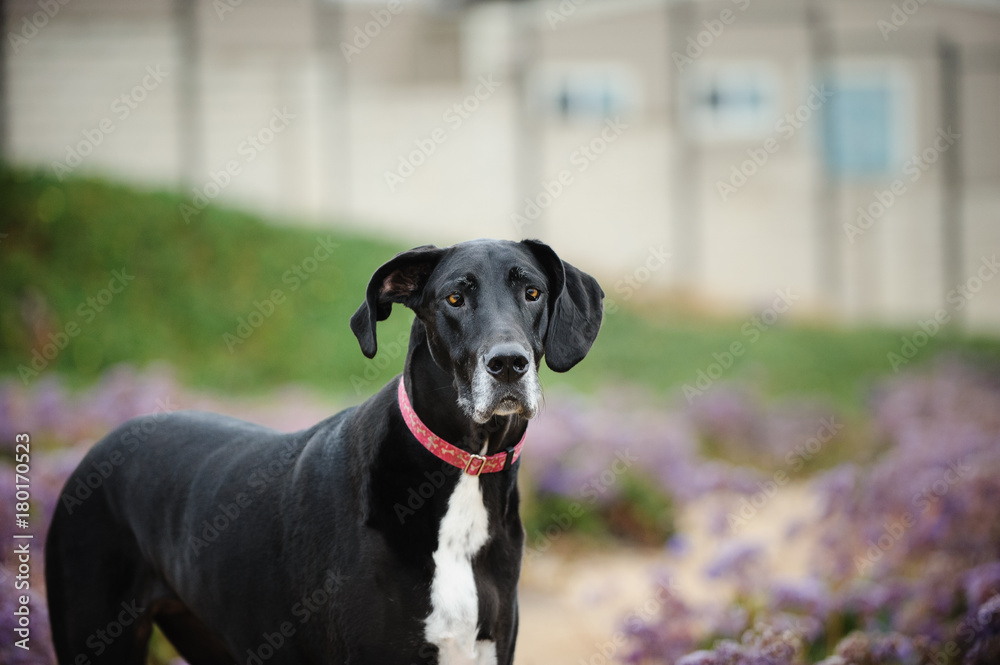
column 192, row 285
column 668, row 351
column 194, row 282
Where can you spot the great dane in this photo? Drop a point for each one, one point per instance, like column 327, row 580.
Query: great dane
column 388, row 533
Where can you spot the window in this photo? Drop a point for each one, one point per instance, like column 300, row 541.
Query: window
column 865, row 122
column 587, row 92
column 731, row 101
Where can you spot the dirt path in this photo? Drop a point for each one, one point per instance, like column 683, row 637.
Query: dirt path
column 572, row 602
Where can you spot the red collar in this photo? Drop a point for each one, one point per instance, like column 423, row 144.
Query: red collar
column 470, row 463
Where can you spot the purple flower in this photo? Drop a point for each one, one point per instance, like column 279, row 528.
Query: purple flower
column 700, row 658
column 735, row 560
column 982, row 582
column 807, row 596
column 760, row 646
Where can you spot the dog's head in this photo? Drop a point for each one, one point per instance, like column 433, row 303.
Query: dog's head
column 491, row 309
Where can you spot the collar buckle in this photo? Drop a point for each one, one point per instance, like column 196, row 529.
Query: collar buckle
column 479, row 468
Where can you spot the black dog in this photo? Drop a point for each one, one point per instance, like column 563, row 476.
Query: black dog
column 246, row 545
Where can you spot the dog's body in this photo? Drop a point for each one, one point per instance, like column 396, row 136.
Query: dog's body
column 246, row 545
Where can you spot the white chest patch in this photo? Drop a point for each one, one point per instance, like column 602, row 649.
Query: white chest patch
column 454, row 619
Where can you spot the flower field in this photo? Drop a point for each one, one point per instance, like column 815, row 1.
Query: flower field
column 903, row 536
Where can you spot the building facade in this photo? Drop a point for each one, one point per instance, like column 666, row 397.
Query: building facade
column 845, row 150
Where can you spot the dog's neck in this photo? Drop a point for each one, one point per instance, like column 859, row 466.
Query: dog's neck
column 435, row 400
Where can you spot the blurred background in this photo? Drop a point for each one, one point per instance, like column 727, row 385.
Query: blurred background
column 785, row 444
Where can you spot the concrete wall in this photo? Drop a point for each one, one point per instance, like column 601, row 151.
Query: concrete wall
column 312, row 136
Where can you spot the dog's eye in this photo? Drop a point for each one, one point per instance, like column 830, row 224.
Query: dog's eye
column 455, row 299
column 532, row 293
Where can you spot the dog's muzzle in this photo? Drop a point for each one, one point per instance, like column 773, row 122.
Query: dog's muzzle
column 504, row 383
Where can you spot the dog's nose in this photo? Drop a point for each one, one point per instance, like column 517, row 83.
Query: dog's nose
column 507, row 362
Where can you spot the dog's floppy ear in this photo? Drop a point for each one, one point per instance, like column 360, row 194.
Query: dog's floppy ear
column 401, row 280
column 575, row 309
